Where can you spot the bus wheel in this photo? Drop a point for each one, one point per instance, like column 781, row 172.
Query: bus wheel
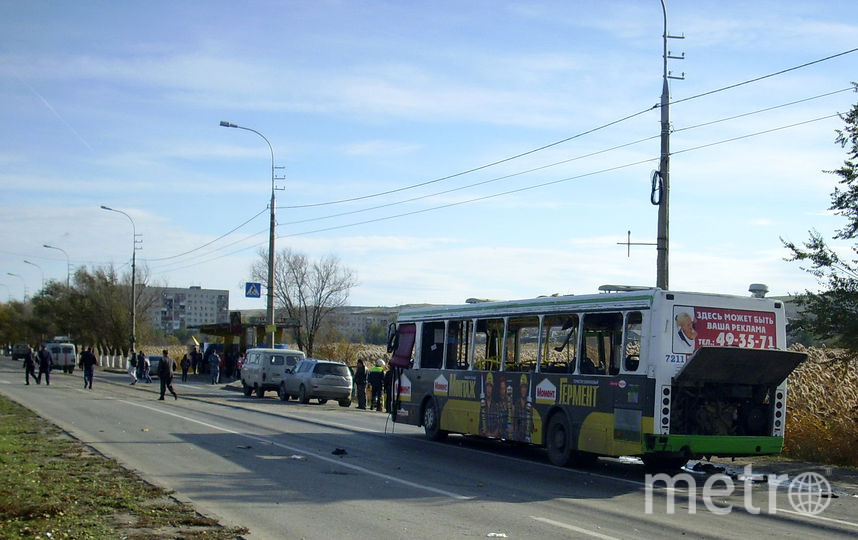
column 432, row 422
column 558, row 435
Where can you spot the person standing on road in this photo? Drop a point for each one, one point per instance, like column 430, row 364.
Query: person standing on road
column 196, row 361
column 360, row 384
column 185, row 364
column 29, row 365
column 46, row 362
column 376, row 380
column 133, row 366
column 214, row 366
column 87, row 362
column 140, row 361
column 166, row 367
column 147, row 366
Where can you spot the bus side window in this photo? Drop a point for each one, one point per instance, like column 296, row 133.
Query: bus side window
column 559, row 343
column 457, row 343
column 488, row 344
column 601, row 343
column 632, row 341
column 432, row 348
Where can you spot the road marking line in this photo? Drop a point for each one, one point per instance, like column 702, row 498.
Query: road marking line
column 816, row 516
column 340, row 462
column 562, row 525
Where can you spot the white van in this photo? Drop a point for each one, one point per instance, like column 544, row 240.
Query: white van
column 263, row 369
column 63, row 352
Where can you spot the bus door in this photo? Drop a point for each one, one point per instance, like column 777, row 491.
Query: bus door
column 610, row 411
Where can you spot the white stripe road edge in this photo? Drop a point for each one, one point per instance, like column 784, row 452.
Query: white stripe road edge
column 303, row 451
column 562, row 525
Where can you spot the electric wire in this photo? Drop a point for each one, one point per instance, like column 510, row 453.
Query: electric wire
column 562, row 162
column 576, row 136
column 508, row 192
column 210, row 242
column 562, row 180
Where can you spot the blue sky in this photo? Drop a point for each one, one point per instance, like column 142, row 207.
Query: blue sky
column 119, row 104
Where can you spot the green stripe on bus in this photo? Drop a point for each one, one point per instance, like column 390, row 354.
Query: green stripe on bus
column 716, row 445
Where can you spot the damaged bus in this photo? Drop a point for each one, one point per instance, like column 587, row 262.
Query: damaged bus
column 663, row 375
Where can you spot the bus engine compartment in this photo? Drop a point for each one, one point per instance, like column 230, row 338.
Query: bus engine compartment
column 732, row 392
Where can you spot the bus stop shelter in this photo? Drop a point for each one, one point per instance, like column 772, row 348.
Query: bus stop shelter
column 237, row 331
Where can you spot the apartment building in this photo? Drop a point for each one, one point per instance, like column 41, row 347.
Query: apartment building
column 178, row 307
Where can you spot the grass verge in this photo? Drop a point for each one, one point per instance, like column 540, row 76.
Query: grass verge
column 55, row 487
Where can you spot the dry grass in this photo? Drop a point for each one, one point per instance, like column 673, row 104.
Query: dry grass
column 822, row 413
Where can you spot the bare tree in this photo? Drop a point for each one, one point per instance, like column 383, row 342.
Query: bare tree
column 307, row 290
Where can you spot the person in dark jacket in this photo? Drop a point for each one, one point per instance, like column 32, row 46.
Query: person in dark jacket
column 87, row 362
column 29, row 365
column 360, row 384
column 185, row 365
column 46, row 363
column 166, row 367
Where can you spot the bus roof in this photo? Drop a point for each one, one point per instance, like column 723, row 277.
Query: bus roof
column 624, row 298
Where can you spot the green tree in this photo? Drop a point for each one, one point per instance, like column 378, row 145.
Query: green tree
column 832, row 314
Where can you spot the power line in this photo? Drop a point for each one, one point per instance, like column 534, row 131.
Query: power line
column 562, row 162
column 522, row 189
column 209, row 243
column 567, row 139
column 553, row 182
column 757, row 79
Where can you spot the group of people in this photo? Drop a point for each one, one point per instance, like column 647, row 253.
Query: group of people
column 45, row 362
column 380, row 381
column 139, row 363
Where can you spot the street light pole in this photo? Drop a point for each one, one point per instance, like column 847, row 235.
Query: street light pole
column 22, row 281
column 133, row 275
column 40, row 270
column 270, row 303
column 68, row 262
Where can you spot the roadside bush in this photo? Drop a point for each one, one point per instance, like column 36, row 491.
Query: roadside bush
column 822, row 408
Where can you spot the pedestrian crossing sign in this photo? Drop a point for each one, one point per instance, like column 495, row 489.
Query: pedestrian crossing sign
column 252, row 290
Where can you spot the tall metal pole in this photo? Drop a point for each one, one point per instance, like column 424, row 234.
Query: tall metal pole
column 662, row 239
column 68, row 263
column 270, row 328
column 133, row 276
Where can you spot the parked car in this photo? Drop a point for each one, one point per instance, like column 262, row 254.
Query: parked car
column 263, row 369
column 19, row 351
column 314, row 378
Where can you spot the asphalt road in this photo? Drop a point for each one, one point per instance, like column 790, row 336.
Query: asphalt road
column 286, row 470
